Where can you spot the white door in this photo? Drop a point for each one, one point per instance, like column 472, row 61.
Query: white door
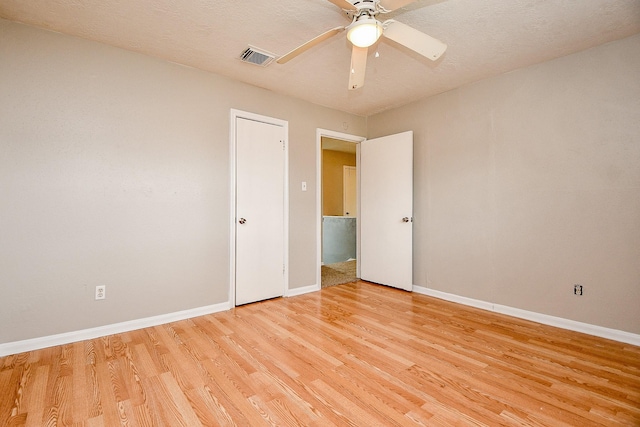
column 349, row 191
column 260, row 205
column 386, row 210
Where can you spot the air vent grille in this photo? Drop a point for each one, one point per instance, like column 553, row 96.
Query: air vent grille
column 256, row 56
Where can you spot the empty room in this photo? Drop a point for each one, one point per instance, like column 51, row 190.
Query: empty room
column 491, row 155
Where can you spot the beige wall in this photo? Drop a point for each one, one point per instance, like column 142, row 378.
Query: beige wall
column 114, row 170
column 529, row 182
column 332, row 177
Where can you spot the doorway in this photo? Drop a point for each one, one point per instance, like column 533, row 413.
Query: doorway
column 384, row 226
column 337, row 208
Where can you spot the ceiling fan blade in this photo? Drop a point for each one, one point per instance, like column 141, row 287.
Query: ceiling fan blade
column 390, row 5
column 308, row 45
column 344, row 4
column 358, row 67
column 415, row 40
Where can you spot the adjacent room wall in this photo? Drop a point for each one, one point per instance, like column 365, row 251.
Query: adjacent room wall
column 529, row 183
column 114, row 170
column 332, row 180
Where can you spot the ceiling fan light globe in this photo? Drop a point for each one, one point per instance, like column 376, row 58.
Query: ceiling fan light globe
column 364, row 33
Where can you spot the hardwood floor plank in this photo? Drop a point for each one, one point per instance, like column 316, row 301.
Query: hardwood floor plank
column 236, row 394
column 304, row 345
column 142, row 415
column 6, row 396
column 126, row 412
column 107, row 403
column 131, row 378
column 209, row 408
column 369, row 400
column 80, row 404
column 59, row 397
column 395, row 395
column 275, row 382
column 348, row 410
column 34, row 406
column 175, row 394
column 355, row 354
column 146, row 368
column 162, row 412
column 178, row 360
column 291, row 415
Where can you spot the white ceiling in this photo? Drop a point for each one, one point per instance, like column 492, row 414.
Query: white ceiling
column 484, row 38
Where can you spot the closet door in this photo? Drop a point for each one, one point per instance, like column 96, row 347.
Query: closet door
column 260, row 211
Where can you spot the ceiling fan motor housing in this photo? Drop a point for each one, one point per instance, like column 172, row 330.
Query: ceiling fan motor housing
column 365, row 8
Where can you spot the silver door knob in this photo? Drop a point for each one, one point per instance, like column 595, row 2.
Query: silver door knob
column 242, row 220
column 405, row 219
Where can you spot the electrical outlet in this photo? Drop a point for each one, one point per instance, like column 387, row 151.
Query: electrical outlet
column 101, row 292
column 577, row 290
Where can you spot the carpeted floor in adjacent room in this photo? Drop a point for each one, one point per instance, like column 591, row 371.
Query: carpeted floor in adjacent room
column 339, row 273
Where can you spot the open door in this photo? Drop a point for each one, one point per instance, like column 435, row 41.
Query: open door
column 386, row 210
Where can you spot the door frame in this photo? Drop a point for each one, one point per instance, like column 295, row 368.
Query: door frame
column 356, row 139
column 233, row 116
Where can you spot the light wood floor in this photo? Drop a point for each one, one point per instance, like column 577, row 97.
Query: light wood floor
column 350, row 355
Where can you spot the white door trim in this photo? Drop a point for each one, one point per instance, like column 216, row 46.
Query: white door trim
column 234, row 115
column 345, row 137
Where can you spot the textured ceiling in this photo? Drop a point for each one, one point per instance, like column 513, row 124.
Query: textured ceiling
column 484, row 38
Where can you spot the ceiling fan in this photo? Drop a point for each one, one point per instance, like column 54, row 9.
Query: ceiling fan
column 365, row 30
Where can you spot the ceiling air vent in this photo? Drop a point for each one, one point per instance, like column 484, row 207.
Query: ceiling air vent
column 256, row 56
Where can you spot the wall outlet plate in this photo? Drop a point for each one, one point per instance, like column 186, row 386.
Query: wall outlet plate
column 101, row 292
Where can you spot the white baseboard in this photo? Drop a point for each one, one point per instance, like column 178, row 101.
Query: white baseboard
column 86, row 334
column 302, row 290
column 101, row 331
column 572, row 325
